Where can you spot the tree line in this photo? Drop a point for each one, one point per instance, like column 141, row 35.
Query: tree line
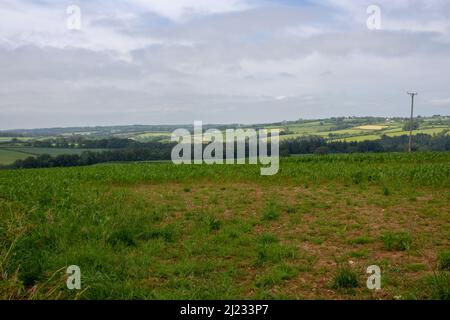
column 123, row 150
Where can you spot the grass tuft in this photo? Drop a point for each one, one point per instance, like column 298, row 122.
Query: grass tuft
column 273, row 253
column 360, row 240
column 440, row 286
column 345, row 278
column 397, row 241
column 276, row 275
column 271, row 212
column 444, row 260
column 268, row 238
column 214, row 224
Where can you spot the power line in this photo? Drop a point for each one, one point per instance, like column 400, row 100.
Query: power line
column 412, row 94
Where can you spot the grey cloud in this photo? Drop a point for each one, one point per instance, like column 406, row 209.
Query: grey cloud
column 254, row 65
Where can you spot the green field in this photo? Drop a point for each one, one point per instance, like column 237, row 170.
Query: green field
column 354, row 132
column 54, row 151
column 392, row 133
column 10, row 154
column 7, row 139
column 332, row 129
column 160, row 231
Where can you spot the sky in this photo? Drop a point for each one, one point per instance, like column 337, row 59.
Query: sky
column 219, row 61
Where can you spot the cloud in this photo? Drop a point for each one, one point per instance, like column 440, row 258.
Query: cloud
column 137, row 61
column 441, row 102
column 182, row 9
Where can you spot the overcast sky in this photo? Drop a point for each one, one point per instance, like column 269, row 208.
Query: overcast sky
column 219, row 61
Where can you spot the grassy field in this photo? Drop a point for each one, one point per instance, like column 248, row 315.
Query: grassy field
column 54, row 151
column 356, row 132
column 10, row 154
column 348, row 129
column 391, row 133
column 160, row 231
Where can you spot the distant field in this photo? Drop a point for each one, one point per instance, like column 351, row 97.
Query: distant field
column 160, row 231
column 54, row 151
column 369, row 137
column 8, row 156
column 391, row 133
column 348, row 129
column 360, row 133
column 6, row 139
column 355, row 132
column 429, row 131
column 371, row 127
column 11, row 154
column 153, row 134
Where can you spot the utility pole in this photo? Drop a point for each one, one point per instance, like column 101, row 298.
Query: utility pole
column 412, row 94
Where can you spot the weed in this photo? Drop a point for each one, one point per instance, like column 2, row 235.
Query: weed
column 214, row 224
column 360, row 240
column 444, row 260
column 397, row 241
column 440, row 286
column 271, row 212
column 268, row 238
column 345, row 278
